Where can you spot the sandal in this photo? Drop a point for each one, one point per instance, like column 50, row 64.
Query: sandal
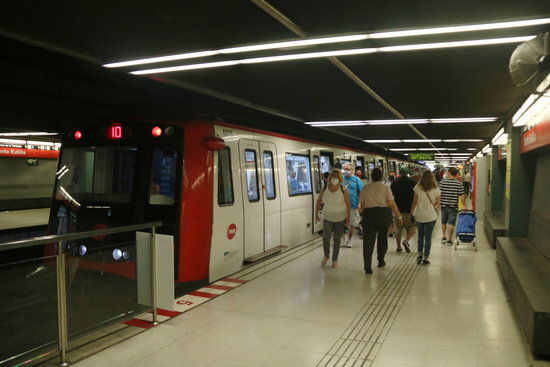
column 324, row 261
column 334, row 264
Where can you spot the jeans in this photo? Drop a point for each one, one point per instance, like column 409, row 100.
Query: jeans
column 337, row 230
column 376, row 222
column 425, row 231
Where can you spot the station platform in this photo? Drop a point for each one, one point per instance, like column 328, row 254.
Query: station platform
column 290, row 311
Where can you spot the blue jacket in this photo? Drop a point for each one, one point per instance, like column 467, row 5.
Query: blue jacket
column 355, row 186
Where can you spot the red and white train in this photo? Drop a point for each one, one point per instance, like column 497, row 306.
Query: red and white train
column 227, row 194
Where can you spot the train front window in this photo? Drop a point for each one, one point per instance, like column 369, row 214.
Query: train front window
column 163, row 182
column 97, row 174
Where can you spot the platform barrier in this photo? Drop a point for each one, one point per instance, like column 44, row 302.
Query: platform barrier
column 84, row 281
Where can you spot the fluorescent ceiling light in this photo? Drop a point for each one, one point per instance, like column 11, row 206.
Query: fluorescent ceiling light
column 403, row 149
column 463, row 28
column 462, row 140
column 486, row 148
column 421, row 149
column 335, row 39
column 382, row 141
column 241, row 49
column 463, row 119
column 338, row 124
column 397, row 122
column 421, row 140
column 469, row 43
column 497, row 136
column 13, row 141
column 471, row 148
column 28, row 134
column 312, row 55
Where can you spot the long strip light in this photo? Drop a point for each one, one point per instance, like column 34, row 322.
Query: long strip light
column 536, row 108
column 423, row 140
column 405, row 122
column 313, row 55
column 38, row 133
column 330, row 40
column 500, row 138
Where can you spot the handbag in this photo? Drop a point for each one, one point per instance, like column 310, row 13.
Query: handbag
column 435, row 208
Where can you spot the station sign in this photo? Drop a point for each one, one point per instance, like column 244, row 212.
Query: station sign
column 421, row 156
column 536, row 137
column 28, row 153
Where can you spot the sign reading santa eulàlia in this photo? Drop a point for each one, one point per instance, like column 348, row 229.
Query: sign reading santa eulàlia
column 28, row 153
column 536, row 137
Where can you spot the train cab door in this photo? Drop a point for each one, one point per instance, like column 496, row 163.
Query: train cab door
column 271, row 195
column 316, row 173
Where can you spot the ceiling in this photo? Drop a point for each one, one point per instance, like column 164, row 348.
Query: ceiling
column 52, row 54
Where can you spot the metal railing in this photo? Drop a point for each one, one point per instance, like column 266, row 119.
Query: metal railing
column 61, row 276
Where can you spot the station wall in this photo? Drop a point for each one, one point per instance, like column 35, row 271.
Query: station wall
column 25, row 186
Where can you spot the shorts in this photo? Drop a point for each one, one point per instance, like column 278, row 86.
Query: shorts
column 407, row 224
column 354, row 218
column 448, row 215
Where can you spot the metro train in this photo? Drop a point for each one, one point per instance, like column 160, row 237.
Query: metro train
column 227, row 194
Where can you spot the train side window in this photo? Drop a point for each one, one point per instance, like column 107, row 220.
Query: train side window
column 163, row 177
column 316, row 174
column 225, row 179
column 251, row 170
column 298, row 174
column 269, row 177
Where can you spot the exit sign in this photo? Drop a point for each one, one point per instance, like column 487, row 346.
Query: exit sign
column 421, row 156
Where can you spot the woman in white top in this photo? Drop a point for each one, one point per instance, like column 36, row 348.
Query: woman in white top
column 336, row 211
column 425, row 208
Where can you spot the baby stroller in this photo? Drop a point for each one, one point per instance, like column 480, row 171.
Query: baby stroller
column 466, row 228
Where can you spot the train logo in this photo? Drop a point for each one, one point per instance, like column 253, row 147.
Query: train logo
column 231, row 231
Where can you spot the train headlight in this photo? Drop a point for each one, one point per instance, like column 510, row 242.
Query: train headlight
column 82, row 250
column 125, row 254
column 117, row 254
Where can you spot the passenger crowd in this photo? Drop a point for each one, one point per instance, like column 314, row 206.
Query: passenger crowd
column 379, row 210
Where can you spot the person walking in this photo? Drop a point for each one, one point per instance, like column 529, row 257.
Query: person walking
column 425, row 207
column 467, row 182
column 354, row 186
column 336, row 214
column 403, row 194
column 376, row 202
column 452, row 191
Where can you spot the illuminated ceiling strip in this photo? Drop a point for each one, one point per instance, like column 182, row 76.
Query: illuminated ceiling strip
column 382, row 141
column 324, row 54
column 408, row 121
column 329, row 40
column 40, row 133
column 339, row 124
column 240, row 49
column 464, row 28
column 421, row 140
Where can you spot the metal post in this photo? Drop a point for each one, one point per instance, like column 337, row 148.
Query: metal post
column 153, row 276
column 61, row 305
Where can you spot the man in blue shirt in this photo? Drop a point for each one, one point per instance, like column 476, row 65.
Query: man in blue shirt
column 354, row 186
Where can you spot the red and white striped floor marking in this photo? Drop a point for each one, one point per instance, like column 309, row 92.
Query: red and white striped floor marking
column 195, row 298
column 187, row 302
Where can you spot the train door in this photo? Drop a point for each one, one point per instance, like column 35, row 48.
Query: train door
column 253, row 209
column 271, row 195
column 261, row 203
column 316, row 173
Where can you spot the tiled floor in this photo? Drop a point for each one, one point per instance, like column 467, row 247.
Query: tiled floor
column 453, row 312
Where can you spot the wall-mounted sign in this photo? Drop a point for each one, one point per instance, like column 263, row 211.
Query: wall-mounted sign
column 536, row 137
column 28, row 153
column 421, row 156
column 32, row 161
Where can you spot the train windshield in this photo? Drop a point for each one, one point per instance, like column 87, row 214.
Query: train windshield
column 97, row 174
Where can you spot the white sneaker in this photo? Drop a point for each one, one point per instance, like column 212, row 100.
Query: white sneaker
column 347, row 243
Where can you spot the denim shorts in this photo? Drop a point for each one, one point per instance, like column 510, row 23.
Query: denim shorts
column 448, row 215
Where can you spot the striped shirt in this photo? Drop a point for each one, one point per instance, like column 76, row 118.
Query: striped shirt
column 451, row 189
